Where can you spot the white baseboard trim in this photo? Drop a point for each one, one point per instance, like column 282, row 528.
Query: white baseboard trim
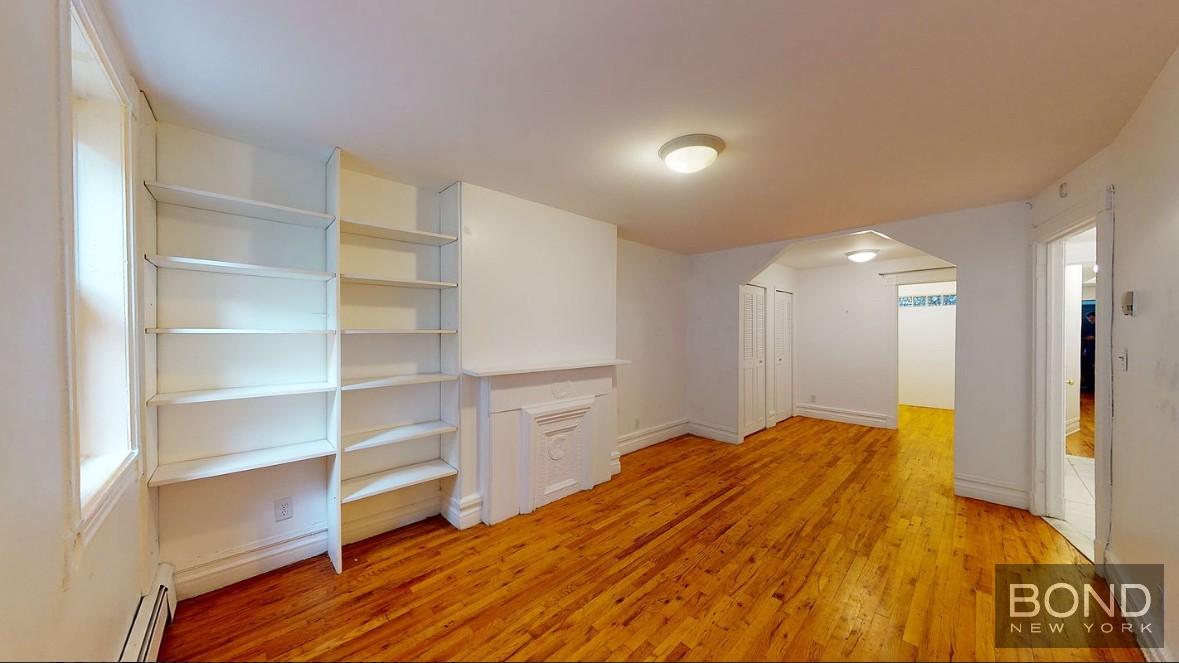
column 464, row 513
column 989, row 490
column 1152, row 648
column 262, row 556
column 1072, row 425
column 874, row 419
column 713, row 432
column 644, row 438
column 384, row 521
column 615, row 461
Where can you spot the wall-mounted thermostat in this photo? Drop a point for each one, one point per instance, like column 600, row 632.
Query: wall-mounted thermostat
column 1128, row 302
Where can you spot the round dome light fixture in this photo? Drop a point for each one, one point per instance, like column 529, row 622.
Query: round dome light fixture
column 863, row 255
column 691, row 153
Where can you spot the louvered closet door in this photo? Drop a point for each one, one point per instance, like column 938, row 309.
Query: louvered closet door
column 783, row 362
column 753, row 356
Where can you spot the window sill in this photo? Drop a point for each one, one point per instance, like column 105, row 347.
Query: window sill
column 103, row 481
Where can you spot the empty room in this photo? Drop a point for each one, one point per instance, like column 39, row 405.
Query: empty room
column 584, row 330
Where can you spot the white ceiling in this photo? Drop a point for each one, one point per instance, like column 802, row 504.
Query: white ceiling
column 837, row 113
column 832, row 251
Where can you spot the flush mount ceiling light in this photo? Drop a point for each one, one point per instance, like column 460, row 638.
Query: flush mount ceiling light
column 688, row 154
column 861, row 256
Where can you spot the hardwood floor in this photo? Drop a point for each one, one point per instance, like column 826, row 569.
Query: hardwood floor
column 1081, row 442
column 813, row 540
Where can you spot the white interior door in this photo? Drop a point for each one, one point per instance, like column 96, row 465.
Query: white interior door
column 1071, row 347
column 753, row 356
column 783, row 361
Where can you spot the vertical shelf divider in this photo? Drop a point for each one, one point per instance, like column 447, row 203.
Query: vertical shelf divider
column 335, row 405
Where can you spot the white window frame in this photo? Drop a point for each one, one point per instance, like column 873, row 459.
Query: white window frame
column 84, row 520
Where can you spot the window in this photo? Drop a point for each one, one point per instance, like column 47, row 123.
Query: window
column 101, row 308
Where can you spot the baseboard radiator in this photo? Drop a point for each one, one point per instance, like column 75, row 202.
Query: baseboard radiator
column 155, row 610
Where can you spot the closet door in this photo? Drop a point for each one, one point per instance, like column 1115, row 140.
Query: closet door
column 753, row 356
column 783, row 362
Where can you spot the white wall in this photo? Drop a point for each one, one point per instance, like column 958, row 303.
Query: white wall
column 846, row 327
column 1143, row 163
column 714, row 330
column 51, row 585
column 992, row 384
column 539, row 283
column 652, row 334
column 925, row 341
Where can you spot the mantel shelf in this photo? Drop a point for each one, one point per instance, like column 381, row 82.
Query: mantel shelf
column 396, row 381
column 359, row 279
column 256, row 209
column 210, row 330
column 543, row 368
column 399, row 331
column 240, row 268
column 238, row 393
column 390, row 480
column 397, row 234
column 395, row 434
column 204, row 468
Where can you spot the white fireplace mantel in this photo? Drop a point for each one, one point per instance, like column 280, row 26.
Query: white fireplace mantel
column 519, row 370
column 544, row 432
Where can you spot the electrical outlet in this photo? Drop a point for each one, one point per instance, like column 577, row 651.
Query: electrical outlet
column 283, row 509
column 812, row 398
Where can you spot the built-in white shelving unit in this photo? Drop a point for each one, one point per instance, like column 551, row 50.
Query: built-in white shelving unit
column 397, row 381
column 239, row 393
column 204, row 468
column 399, row 352
column 397, row 283
column 407, row 433
column 302, row 343
column 397, row 234
column 217, row 202
column 399, row 331
column 207, row 330
column 377, row 483
column 221, row 267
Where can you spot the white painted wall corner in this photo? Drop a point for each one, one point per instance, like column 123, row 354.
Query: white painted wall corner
column 989, row 490
column 646, row 437
column 713, row 432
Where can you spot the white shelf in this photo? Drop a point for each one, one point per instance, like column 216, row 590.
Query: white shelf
column 209, row 330
column 397, row 381
column 492, row 372
column 396, row 234
column 397, row 283
column 216, row 202
column 399, row 331
column 384, row 436
column 241, row 268
column 203, row 468
column 402, row 477
column 238, row 393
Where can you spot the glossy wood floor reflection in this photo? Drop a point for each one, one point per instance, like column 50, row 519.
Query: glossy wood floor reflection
column 1081, row 443
column 813, row 540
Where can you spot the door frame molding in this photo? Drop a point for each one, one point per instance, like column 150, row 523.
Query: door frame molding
column 1048, row 319
column 793, row 383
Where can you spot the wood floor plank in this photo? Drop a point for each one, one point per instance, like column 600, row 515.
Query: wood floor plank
column 812, row 540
